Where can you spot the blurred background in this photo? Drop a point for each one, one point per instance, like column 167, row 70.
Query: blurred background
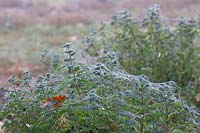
column 29, row 26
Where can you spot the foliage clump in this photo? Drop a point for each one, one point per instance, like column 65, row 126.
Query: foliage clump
column 102, row 96
column 164, row 52
column 99, row 97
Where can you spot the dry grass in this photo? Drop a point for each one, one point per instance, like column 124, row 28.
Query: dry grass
column 22, row 13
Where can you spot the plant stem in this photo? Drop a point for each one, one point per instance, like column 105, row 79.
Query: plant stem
column 142, row 114
column 167, row 116
column 74, row 76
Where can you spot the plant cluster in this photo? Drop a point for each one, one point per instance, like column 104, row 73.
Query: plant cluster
column 152, row 48
column 102, row 96
column 94, row 98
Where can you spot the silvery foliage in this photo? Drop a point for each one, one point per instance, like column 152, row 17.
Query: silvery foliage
column 110, row 72
column 107, row 88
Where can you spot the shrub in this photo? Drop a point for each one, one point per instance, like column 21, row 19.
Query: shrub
column 151, row 48
column 98, row 97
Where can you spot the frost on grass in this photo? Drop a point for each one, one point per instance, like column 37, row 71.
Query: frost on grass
column 101, row 96
column 130, row 103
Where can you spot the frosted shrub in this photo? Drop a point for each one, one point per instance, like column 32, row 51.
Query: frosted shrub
column 152, row 47
column 75, row 97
